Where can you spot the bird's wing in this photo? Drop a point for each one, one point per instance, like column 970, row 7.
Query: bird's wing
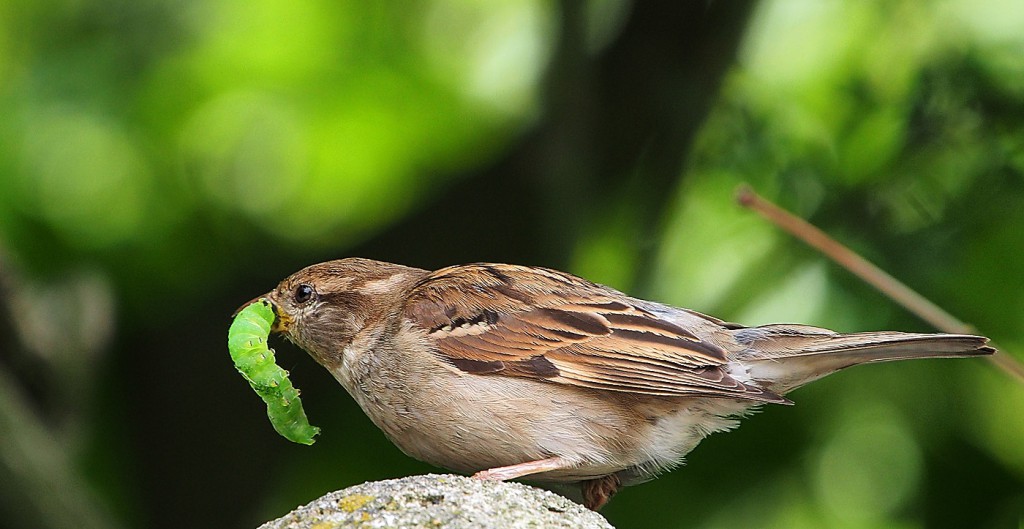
column 533, row 322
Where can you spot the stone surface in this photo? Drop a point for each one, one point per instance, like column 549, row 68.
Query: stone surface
column 440, row 501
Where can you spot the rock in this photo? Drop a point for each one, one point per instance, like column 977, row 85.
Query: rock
column 440, row 501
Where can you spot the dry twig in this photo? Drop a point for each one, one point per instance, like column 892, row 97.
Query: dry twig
column 871, row 274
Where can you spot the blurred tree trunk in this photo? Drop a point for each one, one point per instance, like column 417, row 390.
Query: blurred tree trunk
column 616, row 127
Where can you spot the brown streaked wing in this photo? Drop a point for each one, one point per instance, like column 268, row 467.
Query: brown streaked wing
column 538, row 323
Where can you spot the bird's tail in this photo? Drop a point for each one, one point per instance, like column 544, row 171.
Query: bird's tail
column 785, row 357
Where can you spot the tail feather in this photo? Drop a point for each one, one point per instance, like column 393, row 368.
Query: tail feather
column 785, row 357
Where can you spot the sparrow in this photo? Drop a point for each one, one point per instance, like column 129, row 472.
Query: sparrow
column 504, row 371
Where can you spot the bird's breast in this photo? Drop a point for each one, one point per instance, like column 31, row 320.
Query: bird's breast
column 468, row 422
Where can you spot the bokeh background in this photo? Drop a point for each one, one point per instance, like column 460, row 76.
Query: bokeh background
column 162, row 162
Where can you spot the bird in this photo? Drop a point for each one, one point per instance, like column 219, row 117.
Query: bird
column 506, row 371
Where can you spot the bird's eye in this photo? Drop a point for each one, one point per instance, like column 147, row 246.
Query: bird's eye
column 303, row 293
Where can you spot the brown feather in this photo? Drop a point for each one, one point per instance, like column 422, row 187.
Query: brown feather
column 543, row 324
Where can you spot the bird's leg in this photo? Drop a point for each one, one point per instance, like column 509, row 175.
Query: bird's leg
column 597, row 492
column 523, row 469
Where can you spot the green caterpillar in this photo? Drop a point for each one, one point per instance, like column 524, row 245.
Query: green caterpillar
column 247, row 343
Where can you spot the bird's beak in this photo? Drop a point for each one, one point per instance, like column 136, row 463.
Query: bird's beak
column 246, row 304
column 281, row 320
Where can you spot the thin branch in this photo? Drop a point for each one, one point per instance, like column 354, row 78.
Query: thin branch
column 870, row 274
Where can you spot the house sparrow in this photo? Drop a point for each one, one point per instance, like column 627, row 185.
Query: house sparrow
column 509, row 371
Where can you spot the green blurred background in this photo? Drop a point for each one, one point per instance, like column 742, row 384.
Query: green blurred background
column 162, row 162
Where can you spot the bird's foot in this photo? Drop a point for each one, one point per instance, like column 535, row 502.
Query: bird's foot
column 597, row 492
column 522, row 469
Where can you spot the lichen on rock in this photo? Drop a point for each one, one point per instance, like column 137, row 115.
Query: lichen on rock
column 440, row 501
